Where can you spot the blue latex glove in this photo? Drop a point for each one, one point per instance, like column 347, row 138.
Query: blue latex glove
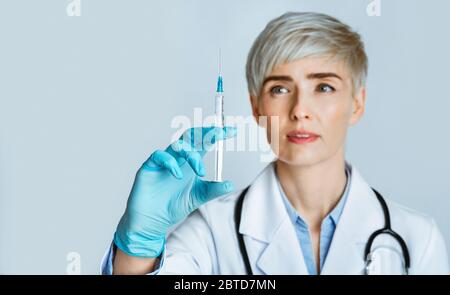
column 167, row 188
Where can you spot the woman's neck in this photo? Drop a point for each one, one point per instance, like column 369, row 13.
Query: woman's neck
column 313, row 190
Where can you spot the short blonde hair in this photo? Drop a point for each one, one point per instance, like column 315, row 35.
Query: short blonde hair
column 295, row 35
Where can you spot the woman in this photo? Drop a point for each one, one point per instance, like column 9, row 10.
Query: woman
column 308, row 212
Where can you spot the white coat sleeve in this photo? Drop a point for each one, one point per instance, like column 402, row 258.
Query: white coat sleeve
column 435, row 258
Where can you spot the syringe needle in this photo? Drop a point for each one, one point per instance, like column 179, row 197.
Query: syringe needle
column 220, row 61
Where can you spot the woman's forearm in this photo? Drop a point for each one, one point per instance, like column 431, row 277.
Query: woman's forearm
column 125, row 264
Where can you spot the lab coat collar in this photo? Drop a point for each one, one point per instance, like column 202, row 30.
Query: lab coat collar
column 267, row 226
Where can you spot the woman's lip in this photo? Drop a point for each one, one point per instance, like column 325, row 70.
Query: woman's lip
column 301, row 131
column 302, row 140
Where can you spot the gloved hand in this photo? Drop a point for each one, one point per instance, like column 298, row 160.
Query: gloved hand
column 167, row 188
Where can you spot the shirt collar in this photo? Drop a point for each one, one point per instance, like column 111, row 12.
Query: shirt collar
column 335, row 214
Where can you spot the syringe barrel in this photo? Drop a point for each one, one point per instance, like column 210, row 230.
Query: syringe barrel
column 219, row 144
column 219, row 110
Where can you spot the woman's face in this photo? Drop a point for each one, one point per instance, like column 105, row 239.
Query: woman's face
column 313, row 94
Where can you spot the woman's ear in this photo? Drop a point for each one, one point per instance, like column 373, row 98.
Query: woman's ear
column 358, row 105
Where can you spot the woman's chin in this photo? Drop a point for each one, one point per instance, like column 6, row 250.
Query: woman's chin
column 298, row 159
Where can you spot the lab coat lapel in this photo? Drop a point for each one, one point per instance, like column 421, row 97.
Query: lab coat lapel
column 360, row 217
column 269, row 234
column 283, row 255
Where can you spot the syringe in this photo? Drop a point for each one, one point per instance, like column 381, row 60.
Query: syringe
column 219, row 123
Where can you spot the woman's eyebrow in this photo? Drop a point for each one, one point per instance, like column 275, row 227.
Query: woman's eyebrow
column 277, row 78
column 308, row 76
column 323, row 75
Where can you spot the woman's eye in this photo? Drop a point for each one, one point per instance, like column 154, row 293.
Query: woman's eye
column 325, row 88
column 279, row 90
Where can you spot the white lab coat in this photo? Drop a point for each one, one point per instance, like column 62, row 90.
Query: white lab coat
column 205, row 242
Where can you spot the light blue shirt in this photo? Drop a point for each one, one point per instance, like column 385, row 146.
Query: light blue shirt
column 326, row 231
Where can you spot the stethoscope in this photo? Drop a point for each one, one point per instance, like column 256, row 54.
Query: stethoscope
column 367, row 252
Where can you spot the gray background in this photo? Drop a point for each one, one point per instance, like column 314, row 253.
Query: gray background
column 84, row 100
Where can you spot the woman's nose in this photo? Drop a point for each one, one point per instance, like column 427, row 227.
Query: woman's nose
column 299, row 108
